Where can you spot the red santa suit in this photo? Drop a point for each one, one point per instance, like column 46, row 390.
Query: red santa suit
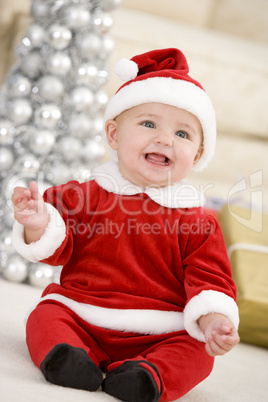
column 140, row 267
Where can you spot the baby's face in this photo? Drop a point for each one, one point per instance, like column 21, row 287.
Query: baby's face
column 157, row 144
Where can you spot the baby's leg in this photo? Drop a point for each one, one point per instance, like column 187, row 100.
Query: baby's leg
column 61, row 347
column 175, row 364
column 182, row 363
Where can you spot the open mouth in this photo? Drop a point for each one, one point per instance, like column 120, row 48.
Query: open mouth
column 158, row 159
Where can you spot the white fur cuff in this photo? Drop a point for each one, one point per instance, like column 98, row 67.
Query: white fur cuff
column 208, row 301
column 48, row 243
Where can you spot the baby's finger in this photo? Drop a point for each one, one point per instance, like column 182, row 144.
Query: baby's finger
column 213, row 349
column 34, row 191
column 217, row 347
column 18, row 194
column 225, row 342
column 38, row 201
column 229, row 335
column 226, row 329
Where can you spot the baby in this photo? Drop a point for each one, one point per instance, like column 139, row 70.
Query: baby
column 146, row 293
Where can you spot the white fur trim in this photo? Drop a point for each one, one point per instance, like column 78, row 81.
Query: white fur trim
column 208, row 301
column 45, row 247
column 179, row 195
column 126, row 69
column 179, row 93
column 150, row 322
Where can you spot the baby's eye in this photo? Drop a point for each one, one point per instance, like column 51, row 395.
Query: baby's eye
column 148, row 124
column 181, row 134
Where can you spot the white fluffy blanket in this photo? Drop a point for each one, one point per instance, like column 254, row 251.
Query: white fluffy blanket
column 241, row 375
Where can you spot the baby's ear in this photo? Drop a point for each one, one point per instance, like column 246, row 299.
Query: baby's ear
column 198, row 154
column 111, row 133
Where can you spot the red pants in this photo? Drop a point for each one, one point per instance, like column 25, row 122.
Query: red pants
column 181, row 360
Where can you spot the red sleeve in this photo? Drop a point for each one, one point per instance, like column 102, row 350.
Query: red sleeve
column 69, row 200
column 206, row 263
column 208, row 279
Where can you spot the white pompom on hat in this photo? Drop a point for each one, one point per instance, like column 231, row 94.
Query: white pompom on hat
column 126, row 69
column 161, row 76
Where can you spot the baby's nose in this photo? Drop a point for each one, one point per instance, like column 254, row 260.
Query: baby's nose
column 164, row 139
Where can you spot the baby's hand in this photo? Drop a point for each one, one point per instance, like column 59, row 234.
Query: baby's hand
column 30, row 209
column 220, row 334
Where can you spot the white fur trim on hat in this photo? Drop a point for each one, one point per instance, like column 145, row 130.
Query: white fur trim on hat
column 45, row 247
column 174, row 92
column 208, row 301
column 126, row 69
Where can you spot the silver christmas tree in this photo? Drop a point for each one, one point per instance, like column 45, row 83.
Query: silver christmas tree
column 51, row 110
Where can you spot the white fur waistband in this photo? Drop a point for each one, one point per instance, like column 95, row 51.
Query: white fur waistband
column 153, row 322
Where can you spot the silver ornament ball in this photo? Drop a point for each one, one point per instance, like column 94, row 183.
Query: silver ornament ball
column 87, row 74
column 20, row 86
column 48, row 116
column 20, row 110
column 40, row 9
column 89, row 45
column 41, row 275
column 93, row 151
column 36, row 35
column 76, row 17
column 70, row 148
column 80, row 125
column 102, row 21
column 81, row 98
column 41, row 141
column 59, row 36
column 16, row 269
column 50, row 87
column 30, row 64
column 59, row 64
column 6, row 158
column 7, row 131
column 27, row 163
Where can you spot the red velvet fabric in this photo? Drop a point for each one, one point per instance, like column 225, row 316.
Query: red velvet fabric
column 182, row 361
column 129, row 252
column 169, row 63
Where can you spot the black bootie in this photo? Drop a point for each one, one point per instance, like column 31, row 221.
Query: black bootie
column 131, row 382
column 71, row 367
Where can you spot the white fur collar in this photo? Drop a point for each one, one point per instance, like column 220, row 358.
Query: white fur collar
column 179, row 195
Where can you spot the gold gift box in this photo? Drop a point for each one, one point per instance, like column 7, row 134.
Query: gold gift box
column 246, row 237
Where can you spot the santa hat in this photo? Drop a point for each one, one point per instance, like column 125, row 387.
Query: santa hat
column 161, row 76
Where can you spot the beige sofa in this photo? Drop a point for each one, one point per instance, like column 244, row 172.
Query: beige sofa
column 226, row 43
column 14, row 19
